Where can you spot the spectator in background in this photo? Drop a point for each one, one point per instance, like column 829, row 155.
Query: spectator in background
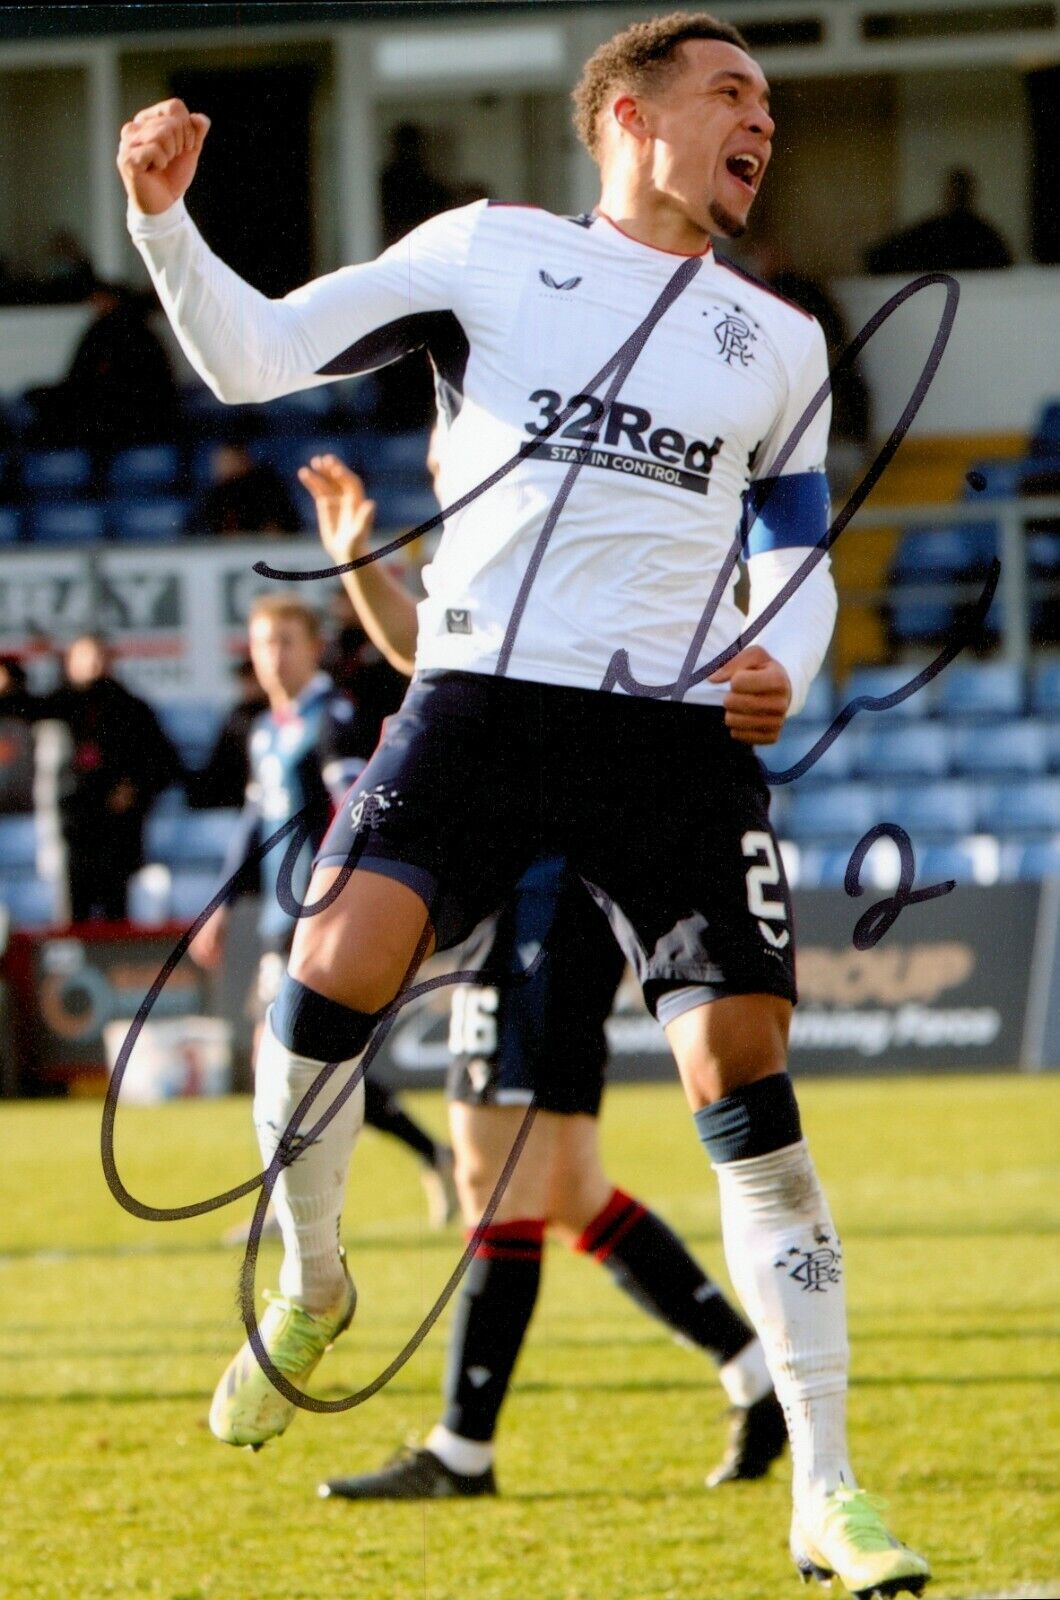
column 120, row 388
column 360, row 670
column 851, row 432
column 245, row 496
column 956, row 240
column 17, row 710
column 68, row 276
column 119, row 761
column 409, row 192
column 224, row 778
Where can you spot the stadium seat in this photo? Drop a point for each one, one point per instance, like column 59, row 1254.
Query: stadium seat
column 30, row 902
column 822, row 868
column 356, row 397
column 843, row 812
column 962, row 861
column 18, row 845
column 193, row 725
column 1051, row 735
column 994, row 689
column 193, row 838
column 147, row 470
column 996, row 480
column 1004, row 748
column 149, row 521
column 1029, row 807
column 1046, row 440
column 289, row 452
column 878, row 683
column 10, row 524
column 1045, row 689
column 73, row 523
column 938, row 809
column 819, row 701
column 797, row 739
column 56, row 474
column 898, row 750
column 295, row 413
column 1039, row 859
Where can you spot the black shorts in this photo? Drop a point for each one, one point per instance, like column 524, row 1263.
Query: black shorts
column 543, row 1038
column 662, row 813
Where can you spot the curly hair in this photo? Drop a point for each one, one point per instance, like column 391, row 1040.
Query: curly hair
column 640, row 58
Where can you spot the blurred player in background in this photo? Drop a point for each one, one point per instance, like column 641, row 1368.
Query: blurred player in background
column 580, row 625
column 543, row 1041
column 304, row 751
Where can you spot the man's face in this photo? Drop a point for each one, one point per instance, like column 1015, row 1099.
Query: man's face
column 86, row 662
column 710, row 126
column 284, row 654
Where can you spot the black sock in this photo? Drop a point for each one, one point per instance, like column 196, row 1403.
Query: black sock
column 497, row 1299
column 648, row 1261
column 382, row 1110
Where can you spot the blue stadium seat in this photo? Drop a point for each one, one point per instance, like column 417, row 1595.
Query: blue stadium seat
column 1051, row 735
column 998, row 480
column 938, row 862
column 1029, row 807
column 819, row 701
column 939, row 809
column 1045, row 689
column 1039, row 859
column 878, row 682
column 899, row 749
column 30, row 902
column 149, row 521
column 937, row 555
column 18, row 845
column 56, row 474
column 841, row 812
column 10, row 524
column 146, row 470
column 73, row 523
column 1000, row 749
column 796, row 740
column 193, row 838
column 191, row 894
column 993, row 689
column 1046, row 440
column 356, row 397
column 822, row 868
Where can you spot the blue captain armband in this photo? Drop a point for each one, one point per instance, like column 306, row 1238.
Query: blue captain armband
column 785, row 513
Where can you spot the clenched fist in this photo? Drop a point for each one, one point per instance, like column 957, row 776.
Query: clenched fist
column 758, row 698
column 159, row 152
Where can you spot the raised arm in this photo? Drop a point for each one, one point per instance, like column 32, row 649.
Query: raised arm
column 385, row 609
column 244, row 345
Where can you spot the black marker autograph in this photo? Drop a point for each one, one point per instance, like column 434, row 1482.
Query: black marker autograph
column 875, row 922
column 618, row 674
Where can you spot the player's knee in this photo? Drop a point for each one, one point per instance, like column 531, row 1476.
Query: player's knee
column 312, row 1024
column 367, row 986
column 730, row 1043
column 575, row 1197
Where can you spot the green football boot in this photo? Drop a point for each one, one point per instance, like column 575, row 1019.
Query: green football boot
column 845, row 1537
column 246, row 1409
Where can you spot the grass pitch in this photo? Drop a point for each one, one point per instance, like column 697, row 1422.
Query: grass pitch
column 113, row 1332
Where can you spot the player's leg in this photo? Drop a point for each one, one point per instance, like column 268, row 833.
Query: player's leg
column 408, row 833
column 647, row 1261
column 311, row 1045
column 493, row 1311
column 384, row 1112
column 704, row 914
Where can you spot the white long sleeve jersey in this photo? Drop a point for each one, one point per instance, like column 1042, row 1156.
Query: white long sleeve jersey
column 611, row 534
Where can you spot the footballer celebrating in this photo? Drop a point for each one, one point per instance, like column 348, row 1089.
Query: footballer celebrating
column 610, row 391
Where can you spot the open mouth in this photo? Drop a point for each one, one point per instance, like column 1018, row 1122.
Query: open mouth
column 745, row 168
